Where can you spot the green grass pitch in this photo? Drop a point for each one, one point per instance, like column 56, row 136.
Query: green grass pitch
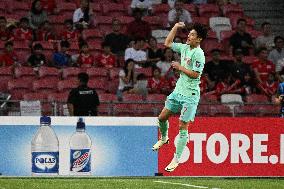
column 140, row 183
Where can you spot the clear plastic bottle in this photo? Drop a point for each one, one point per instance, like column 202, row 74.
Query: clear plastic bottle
column 45, row 150
column 80, row 151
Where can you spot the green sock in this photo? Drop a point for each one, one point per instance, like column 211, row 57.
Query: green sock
column 181, row 143
column 164, row 125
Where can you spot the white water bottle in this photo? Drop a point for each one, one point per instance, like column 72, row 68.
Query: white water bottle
column 80, row 151
column 45, row 150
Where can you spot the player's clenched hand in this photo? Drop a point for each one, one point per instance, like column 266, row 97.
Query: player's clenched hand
column 180, row 25
column 176, row 65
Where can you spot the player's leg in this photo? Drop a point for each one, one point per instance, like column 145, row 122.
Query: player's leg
column 187, row 115
column 171, row 106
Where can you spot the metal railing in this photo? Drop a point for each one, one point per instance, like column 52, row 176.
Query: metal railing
column 117, row 108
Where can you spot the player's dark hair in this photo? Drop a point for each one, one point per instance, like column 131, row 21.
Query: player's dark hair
column 83, row 78
column 138, row 39
column 200, row 29
column 241, row 20
column 277, row 38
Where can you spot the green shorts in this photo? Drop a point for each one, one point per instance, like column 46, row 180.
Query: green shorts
column 186, row 105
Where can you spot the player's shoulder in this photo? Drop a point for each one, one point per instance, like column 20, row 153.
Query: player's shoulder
column 199, row 51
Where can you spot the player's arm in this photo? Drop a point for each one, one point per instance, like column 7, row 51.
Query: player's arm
column 172, row 34
column 188, row 72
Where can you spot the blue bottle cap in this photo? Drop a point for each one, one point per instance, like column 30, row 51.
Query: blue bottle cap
column 80, row 124
column 45, row 120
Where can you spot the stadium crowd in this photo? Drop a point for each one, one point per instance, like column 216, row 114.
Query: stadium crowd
column 125, row 39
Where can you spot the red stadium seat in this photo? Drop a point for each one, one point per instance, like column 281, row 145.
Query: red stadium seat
column 208, row 10
column 23, row 56
column 70, row 72
column 22, row 45
column 66, row 7
column 112, row 85
column 249, row 59
column 155, row 21
column 145, row 110
column 104, row 109
column 132, row 98
column 6, row 74
column 92, row 34
column 35, row 96
column 156, row 98
column 23, row 71
column 191, row 8
column 67, row 85
column 47, row 85
column 209, row 99
column 125, row 19
column 49, row 72
column 257, row 110
column 18, row 87
column 123, row 109
column 233, row 9
column 211, row 35
column 201, row 20
column 97, row 8
column 220, row 110
column 225, row 35
column 107, row 97
column 114, row 73
column 161, row 9
column 146, row 71
column 246, row 111
column 58, row 97
column 257, row 98
column 97, row 72
column 209, row 45
column 19, row 6
column 114, row 9
column 104, row 23
column 99, row 84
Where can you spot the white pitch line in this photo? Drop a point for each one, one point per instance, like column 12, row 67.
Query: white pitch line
column 181, row 184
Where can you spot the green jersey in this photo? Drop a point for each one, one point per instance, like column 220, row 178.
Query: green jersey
column 191, row 59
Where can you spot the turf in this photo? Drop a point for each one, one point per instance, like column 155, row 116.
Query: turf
column 140, row 183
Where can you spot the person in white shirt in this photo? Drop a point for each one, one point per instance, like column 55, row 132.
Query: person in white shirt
column 277, row 56
column 136, row 53
column 165, row 63
column 178, row 14
column 144, row 5
column 266, row 39
column 83, row 15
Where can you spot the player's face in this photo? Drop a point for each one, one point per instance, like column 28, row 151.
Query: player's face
column 192, row 38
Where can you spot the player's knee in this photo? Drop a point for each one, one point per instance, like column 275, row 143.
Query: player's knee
column 183, row 125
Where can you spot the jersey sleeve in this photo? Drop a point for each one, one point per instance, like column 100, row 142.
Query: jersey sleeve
column 198, row 62
column 177, row 47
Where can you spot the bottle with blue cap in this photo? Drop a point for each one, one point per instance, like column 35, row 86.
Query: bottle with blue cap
column 45, row 150
column 80, row 150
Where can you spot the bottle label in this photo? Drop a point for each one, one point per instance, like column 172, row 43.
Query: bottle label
column 45, row 162
column 80, row 160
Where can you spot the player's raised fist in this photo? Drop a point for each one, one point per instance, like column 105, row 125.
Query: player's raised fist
column 180, row 25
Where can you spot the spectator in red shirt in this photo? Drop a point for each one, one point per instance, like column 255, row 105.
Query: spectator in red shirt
column 46, row 32
column 5, row 34
column 106, row 59
column 138, row 28
column 69, row 33
column 24, row 32
column 157, row 83
column 262, row 67
column 85, row 58
column 9, row 57
column 269, row 87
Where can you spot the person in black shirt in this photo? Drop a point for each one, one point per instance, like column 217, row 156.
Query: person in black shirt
column 238, row 68
column 118, row 42
column 215, row 68
column 83, row 100
column 241, row 39
column 37, row 57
